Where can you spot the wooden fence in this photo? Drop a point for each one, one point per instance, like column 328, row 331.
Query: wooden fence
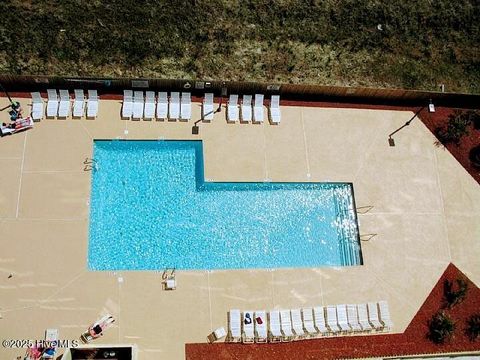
column 298, row 92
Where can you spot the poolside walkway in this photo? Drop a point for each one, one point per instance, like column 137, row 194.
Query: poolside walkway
column 412, row 342
column 425, row 214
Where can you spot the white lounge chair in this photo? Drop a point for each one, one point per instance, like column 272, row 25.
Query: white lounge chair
column 207, row 107
column 297, row 323
column 37, row 106
column 352, row 314
column 332, row 319
column 79, row 103
column 363, row 317
column 92, row 104
column 260, row 326
column 258, row 108
column 232, row 108
column 308, row 322
column 248, row 336
column 174, row 108
column 18, row 125
column 127, row 105
column 275, row 334
column 234, row 326
column 286, row 323
column 186, row 106
column 162, row 105
column 138, row 105
column 149, row 105
column 385, row 315
column 217, row 334
column 275, row 115
column 52, row 103
column 373, row 316
column 342, row 318
column 51, row 337
column 319, row 315
column 246, row 108
column 64, row 107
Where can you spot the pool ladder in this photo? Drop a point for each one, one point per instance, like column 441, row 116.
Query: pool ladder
column 90, row 164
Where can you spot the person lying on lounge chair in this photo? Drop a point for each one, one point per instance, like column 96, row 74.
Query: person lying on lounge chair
column 16, row 126
column 96, row 330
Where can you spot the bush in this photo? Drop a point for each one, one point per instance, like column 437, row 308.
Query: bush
column 441, row 328
column 454, row 295
column 475, row 116
column 457, row 127
column 473, row 327
column 474, row 156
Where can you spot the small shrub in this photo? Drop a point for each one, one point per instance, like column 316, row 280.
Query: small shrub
column 441, row 328
column 457, row 127
column 454, row 295
column 475, row 118
column 474, row 156
column 473, row 327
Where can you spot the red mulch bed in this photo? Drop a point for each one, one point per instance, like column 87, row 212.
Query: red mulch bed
column 413, row 341
column 462, row 150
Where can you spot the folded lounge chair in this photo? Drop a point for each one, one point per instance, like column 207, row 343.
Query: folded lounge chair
column 234, row 326
column 52, row 103
column 297, row 323
column 363, row 317
column 275, row 334
column 332, row 319
column 352, row 314
column 246, row 108
column 248, row 335
column 207, row 107
column 174, row 107
column 92, row 104
column 149, row 105
column 232, row 108
column 342, row 318
column 260, row 327
column 319, row 315
column 64, row 107
column 79, row 103
column 127, row 105
column 385, row 315
column 37, row 106
column 274, row 109
column 258, row 108
column 186, row 106
column 373, row 316
column 162, row 105
column 138, row 105
column 308, row 322
column 286, row 323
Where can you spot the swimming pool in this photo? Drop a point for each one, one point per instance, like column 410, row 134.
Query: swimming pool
column 150, row 209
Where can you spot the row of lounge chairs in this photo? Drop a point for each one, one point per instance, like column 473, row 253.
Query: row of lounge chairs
column 308, row 323
column 246, row 109
column 137, row 105
column 59, row 104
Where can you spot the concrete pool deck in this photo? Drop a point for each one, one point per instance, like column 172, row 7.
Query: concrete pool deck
column 425, row 214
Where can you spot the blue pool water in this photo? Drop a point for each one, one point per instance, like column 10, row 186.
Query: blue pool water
column 151, row 209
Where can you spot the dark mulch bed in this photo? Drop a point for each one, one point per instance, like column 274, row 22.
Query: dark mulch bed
column 462, row 150
column 413, row 341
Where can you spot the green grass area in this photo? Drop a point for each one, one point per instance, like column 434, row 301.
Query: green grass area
column 411, row 44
